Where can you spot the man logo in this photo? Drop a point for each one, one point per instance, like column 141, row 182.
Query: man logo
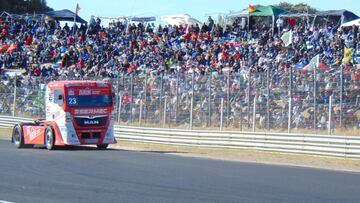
column 91, row 122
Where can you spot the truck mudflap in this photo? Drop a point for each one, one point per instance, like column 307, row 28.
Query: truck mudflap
column 109, row 135
column 69, row 134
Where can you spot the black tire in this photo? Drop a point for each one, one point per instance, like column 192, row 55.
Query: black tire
column 102, row 146
column 49, row 138
column 17, row 137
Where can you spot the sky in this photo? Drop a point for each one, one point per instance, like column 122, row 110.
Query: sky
column 199, row 9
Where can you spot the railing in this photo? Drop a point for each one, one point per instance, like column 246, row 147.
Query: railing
column 8, row 121
column 244, row 101
column 334, row 146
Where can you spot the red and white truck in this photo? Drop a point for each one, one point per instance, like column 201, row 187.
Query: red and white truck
column 77, row 113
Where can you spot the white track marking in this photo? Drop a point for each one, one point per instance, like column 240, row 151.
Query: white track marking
column 3, row 201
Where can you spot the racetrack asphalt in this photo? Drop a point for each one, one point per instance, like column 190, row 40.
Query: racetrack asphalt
column 84, row 174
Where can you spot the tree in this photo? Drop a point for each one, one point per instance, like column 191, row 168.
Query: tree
column 285, row 5
column 297, row 8
column 24, row 6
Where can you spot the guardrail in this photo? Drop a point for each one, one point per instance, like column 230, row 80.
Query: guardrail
column 325, row 145
column 9, row 121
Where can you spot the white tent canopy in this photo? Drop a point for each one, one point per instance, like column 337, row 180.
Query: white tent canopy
column 355, row 22
column 242, row 13
column 181, row 19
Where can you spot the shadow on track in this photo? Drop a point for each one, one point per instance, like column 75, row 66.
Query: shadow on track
column 162, row 152
column 82, row 148
column 94, row 148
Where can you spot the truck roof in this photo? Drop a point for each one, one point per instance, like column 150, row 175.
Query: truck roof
column 79, row 83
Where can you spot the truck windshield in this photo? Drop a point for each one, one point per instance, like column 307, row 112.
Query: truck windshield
column 89, row 101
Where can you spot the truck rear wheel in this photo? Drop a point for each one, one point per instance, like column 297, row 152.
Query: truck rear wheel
column 17, row 137
column 102, row 146
column 49, row 138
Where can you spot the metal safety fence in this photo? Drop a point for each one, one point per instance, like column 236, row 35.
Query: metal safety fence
column 324, row 145
column 272, row 100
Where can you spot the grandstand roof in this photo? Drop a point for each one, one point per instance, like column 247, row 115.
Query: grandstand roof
column 345, row 15
column 267, row 11
column 65, row 15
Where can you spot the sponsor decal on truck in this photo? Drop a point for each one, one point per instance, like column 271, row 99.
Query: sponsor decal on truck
column 90, row 111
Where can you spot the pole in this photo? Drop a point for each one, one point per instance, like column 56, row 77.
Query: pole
column 140, row 112
column 240, row 102
column 289, row 115
column 132, row 97
column 248, row 93
column 330, row 115
column 192, row 100
column 209, row 101
column 279, row 26
column 14, row 102
column 74, row 26
column 268, row 98
column 315, row 83
column 290, row 100
column 241, row 119
column 161, row 94
column 177, row 97
column 225, row 25
column 146, row 102
column 228, row 100
column 38, row 100
column 341, row 93
column 164, row 114
column 221, row 113
column 248, row 23
column 119, row 110
column 254, row 114
column 273, row 25
column 117, row 96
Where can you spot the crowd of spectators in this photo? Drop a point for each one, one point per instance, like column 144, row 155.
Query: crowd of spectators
column 43, row 50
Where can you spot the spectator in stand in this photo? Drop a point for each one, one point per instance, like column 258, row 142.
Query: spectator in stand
column 44, row 50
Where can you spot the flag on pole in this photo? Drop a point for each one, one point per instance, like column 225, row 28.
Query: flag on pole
column 187, row 31
column 347, row 55
column 251, row 8
column 287, row 38
column 314, row 63
column 77, row 10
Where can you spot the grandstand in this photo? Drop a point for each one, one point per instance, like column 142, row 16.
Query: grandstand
column 199, row 75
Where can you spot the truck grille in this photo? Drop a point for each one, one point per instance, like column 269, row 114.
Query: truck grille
column 89, row 122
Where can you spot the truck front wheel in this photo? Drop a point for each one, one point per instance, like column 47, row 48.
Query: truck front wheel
column 49, row 138
column 102, row 146
column 18, row 137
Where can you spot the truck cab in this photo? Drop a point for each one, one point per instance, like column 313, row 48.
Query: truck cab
column 76, row 113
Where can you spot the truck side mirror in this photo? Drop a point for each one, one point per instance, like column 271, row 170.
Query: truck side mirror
column 60, row 97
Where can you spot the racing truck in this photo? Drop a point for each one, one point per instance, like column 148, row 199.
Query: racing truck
column 76, row 113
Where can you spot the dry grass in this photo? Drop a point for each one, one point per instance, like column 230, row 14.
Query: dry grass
column 5, row 133
column 340, row 131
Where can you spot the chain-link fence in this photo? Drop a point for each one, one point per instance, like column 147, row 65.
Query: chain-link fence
column 271, row 100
